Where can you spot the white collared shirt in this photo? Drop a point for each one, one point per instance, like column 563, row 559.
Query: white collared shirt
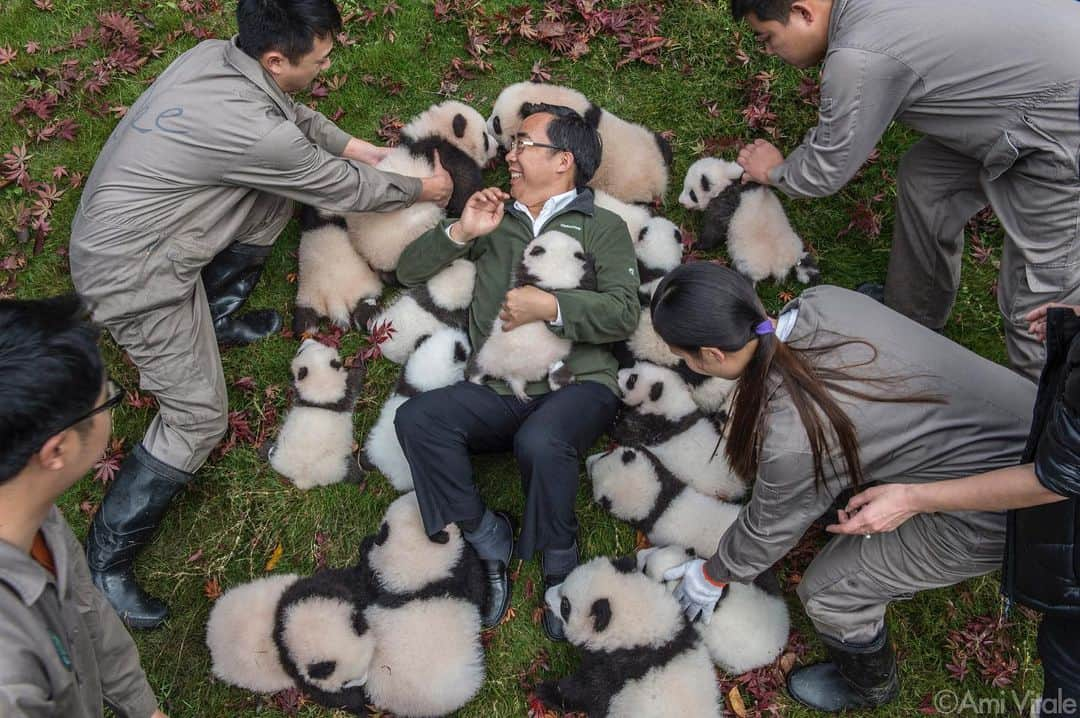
column 785, row 323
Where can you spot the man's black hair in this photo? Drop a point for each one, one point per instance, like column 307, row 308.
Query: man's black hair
column 779, row 10
column 569, row 130
column 51, row 372
column 287, row 26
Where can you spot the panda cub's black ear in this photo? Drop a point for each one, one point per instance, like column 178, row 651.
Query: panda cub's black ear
column 335, row 364
column 656, row 391
column 459, row 125
column 321, row 670
column 678, row 237
column 440, row 537
column 625, row 564
column 460, row 354
column 641, row 234
column 628, row 455
column 601, row 613
column 631, row 381
column 496, row 125
column 536, row 251
column 383, row 535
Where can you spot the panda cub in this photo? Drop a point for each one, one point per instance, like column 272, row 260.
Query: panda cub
column 750, row 625
column 333, row 282
column 635, row 161
column 639, row 657
column 458, row 133
column 315, row 444
column 442, row 301
column 634, row 216
column 664, row 419
column 531, row 351
column 439, row 361
column 749, row 217
column 659, row 249
column 634, row 486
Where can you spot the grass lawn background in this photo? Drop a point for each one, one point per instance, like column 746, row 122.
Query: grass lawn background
column 227, row 526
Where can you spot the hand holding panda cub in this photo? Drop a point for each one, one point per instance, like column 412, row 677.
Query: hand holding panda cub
column 530, row 352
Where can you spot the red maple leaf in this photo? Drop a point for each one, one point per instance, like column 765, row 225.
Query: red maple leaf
column 7, row 54
column 106, row 467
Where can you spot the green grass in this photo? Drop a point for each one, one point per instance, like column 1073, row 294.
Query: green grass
column 238, row 510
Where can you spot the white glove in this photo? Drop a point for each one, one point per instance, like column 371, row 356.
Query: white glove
column 696, row 593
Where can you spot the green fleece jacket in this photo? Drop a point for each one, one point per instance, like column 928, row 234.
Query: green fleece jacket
column 591, row 320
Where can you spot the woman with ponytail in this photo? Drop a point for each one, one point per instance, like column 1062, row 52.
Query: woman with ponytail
column 838, row 393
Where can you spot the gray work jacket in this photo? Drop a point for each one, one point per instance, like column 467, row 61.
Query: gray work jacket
column 993, row 80
column 62, row 646
column 982, row 425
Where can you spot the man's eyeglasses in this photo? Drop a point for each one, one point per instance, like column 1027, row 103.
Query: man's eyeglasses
column 517, row 143
column 116, row 395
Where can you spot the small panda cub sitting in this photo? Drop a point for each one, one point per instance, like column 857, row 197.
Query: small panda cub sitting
column 664, row 418
column 639, row 657
column 750, row 219
column 315, row 444
column 750, row 625
column 530, row 352
column 439, row 361
column 634, row 486
column 333, row 282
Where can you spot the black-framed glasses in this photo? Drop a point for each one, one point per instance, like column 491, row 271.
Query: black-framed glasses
column 516, row 143
column 116, row 395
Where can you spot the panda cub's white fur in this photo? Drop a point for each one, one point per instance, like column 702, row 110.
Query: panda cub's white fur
column 442, row 301
column 239, row 634
column 333, row 281
column 659, row 249
column 315, row 444
column 635, row 160
column 707, row 178
column 749, row 627
column 666, row 420
column 638, row 655
column 635, row 487
column 439, row 361
column 380, row 237
column 532, row 351
column 633, row 215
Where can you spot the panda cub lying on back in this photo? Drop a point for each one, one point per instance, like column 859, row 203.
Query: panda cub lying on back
column 530, row 352
column 639, row 657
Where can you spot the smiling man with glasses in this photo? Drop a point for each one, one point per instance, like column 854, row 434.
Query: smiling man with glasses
column 65, row 651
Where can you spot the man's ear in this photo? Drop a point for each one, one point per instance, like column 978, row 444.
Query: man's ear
column 807, row 12
column 273, row 62
column 52, row 455
column 566, row 162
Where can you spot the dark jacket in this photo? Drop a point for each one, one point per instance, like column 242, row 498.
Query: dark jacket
column 1042, row 557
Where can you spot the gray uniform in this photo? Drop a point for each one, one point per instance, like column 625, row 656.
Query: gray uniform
column 982, row 426
column 64, row 648
column 995, row 87
column 212, row 153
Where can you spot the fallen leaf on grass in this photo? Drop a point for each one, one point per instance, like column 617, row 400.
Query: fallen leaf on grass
column 736, row 702
column 275, row 557
column 212, row 589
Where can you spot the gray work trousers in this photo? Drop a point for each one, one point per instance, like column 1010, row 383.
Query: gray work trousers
column 154, row 305
column 1037, row 201
column 850, row 583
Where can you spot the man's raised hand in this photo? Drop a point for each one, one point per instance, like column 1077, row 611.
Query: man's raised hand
column 481, row 215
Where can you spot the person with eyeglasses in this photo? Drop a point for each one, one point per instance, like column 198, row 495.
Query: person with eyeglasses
column 63, row 649
column 551, row 160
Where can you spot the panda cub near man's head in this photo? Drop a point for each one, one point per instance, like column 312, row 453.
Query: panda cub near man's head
column 439, row 360
column 707, row 178
column 531, row 352
column 314, row 446
column 333, row 281
column 639, row 656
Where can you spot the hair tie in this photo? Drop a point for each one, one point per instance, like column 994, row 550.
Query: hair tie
column 765, row 327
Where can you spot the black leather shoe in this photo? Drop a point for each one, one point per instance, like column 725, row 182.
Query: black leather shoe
column 497, row 575
column 872, row 290
column 125, row 523
column 229, row 279
column 856, row 677
column 552, row 624
column 248, row 327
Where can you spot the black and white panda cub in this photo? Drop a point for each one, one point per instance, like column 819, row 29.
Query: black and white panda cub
column 749, row 218
column 333, row 281
column 458, row 132
column 439, row 361
column 632, row 484
column 442, row 301
column 639, row 657
column 664, row 418
column 315, row 444
column 530, row 352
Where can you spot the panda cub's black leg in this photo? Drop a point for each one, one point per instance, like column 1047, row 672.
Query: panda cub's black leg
column 354, row 472
column 559, row 375
column 265, row 450
column 363, row 312
column 305, row 319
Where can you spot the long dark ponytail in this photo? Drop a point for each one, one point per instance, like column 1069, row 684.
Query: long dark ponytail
column 702, row 304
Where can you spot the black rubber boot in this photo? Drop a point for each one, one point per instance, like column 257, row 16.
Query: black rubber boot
column 855, row 677
column 229, row 280
column 555, row 565
column 493, row 541
column 872, row 290
column 124, row 523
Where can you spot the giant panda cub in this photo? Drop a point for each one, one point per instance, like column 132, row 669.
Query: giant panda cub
column 634, row 486
column 315, row 444
column 439, row 361
column 634, row 216
column 333, row 282
column 750, row 625
column 442, row 301
column 664, row 418
column 530, row 352
column 659, row 249
column 458, row 133
column 635, row 160
column 639, row 657
column 749, row 217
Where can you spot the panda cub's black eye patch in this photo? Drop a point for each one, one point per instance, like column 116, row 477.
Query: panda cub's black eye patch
column 302, row 374
column 496, row 125
column 321, row 670
column 536, row 251
column 693, row 196
column 460, row 354
column 628, row 456
column 678, row 237
column 335, row 364
column 656, row 391
column 705, row 183
column 631, row 381
column 564, row 608
column 579, row 255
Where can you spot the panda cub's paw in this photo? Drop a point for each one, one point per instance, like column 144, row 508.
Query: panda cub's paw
column 549, row 694
column 559, row 375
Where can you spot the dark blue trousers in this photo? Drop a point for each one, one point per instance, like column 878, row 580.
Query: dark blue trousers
column 548, row 435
